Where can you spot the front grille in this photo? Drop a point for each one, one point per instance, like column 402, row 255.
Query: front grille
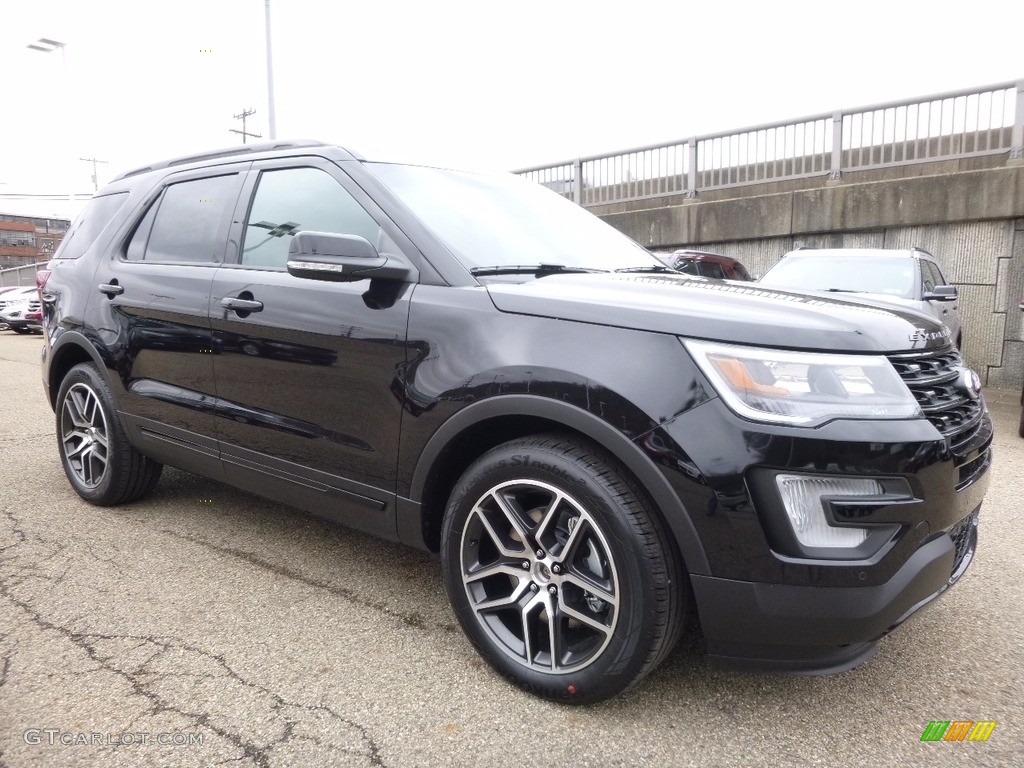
column 934, row 380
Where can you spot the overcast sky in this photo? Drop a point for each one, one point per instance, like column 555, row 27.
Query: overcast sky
column 481, row 84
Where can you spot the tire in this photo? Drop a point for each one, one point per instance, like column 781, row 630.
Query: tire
column 546, row 537
column 17, row 329
column 100, row 463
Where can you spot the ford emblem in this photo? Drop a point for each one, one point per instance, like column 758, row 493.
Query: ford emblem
column 971, row 383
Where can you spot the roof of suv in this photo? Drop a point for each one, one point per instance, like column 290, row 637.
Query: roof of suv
column 219, row 154
column 899, row 253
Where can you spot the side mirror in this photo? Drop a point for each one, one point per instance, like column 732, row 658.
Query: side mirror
column 941, row 293
column 343, row 259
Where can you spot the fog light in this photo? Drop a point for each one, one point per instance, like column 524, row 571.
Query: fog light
column 803, row 496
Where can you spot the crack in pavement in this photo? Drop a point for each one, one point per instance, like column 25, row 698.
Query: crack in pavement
column 29, row 439
column 411, row 619
column 152, row 667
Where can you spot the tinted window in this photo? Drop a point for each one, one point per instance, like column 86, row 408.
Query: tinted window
column 686, row 266
column 937, row 275
column 296, row 199
column 137, row 246
column 90, row 223
column 927, row 276
column 190, row 220
column 709, row 269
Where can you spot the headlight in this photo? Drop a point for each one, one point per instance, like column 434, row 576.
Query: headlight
column 803, row 389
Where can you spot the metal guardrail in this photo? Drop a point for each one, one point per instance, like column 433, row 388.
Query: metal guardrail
column 23, row 275
column 959, row 124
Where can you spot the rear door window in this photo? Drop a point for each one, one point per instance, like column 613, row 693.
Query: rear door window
column 188, row 224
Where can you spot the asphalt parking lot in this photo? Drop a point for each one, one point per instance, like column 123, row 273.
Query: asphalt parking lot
column 204, row 626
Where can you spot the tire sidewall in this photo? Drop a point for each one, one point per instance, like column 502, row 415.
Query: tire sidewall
column 625, row 654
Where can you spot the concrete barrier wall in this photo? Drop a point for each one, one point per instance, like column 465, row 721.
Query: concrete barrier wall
column 972, row 222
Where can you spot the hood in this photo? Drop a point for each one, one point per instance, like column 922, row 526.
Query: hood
column 732, row 312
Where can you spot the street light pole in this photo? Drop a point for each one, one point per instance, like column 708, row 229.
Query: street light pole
column 272, row 119
column 46, row 45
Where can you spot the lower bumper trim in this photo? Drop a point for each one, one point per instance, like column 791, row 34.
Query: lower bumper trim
column 815, row 630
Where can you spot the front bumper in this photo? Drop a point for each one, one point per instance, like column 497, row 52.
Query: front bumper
column 823, row 630
column 763, row 605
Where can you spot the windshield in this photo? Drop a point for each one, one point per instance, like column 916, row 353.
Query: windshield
column 863, row 274
column 504, row 220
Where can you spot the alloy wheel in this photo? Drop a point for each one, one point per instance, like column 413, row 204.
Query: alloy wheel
column 540, row 576
column 84, row 435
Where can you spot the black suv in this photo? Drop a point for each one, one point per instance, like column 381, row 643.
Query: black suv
column 470, row 364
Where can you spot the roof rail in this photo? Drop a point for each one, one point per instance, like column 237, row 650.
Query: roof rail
column 245, row 149
column 922, row 250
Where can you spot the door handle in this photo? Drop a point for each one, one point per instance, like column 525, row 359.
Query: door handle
column 112, row 289
column 241, row 305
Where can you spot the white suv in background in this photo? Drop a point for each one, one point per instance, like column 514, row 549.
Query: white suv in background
column 19, row 310
column 903, row 277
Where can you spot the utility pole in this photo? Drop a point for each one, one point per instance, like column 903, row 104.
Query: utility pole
column 245, row 113
column 94, row 161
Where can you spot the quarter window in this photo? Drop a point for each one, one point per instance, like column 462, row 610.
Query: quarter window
column 291, row 200
column 97, row 213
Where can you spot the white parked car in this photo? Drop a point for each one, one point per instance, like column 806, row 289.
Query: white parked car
column 20, row 310
column 903, row 277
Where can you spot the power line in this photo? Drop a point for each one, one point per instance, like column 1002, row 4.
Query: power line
column 245, row 113
column 44, row 196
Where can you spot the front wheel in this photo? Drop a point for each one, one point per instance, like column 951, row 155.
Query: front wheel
column 559, row 571
column 98, row 460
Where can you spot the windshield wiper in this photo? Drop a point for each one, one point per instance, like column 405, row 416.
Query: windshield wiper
column 540, row 270
column 649, row 268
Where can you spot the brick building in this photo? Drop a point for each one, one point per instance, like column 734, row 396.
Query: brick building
column 29, row 239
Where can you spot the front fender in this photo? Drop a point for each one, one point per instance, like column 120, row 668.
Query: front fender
column 578, row 420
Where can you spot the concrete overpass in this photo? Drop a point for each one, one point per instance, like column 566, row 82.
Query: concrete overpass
column 943, row 172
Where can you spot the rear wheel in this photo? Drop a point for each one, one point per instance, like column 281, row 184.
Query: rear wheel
column 98, row 460
column 559, row 571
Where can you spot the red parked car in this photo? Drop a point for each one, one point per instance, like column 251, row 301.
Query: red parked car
column 705, row 264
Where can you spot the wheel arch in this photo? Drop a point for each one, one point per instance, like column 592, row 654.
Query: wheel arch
column 70, row 349
column 485, row 424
